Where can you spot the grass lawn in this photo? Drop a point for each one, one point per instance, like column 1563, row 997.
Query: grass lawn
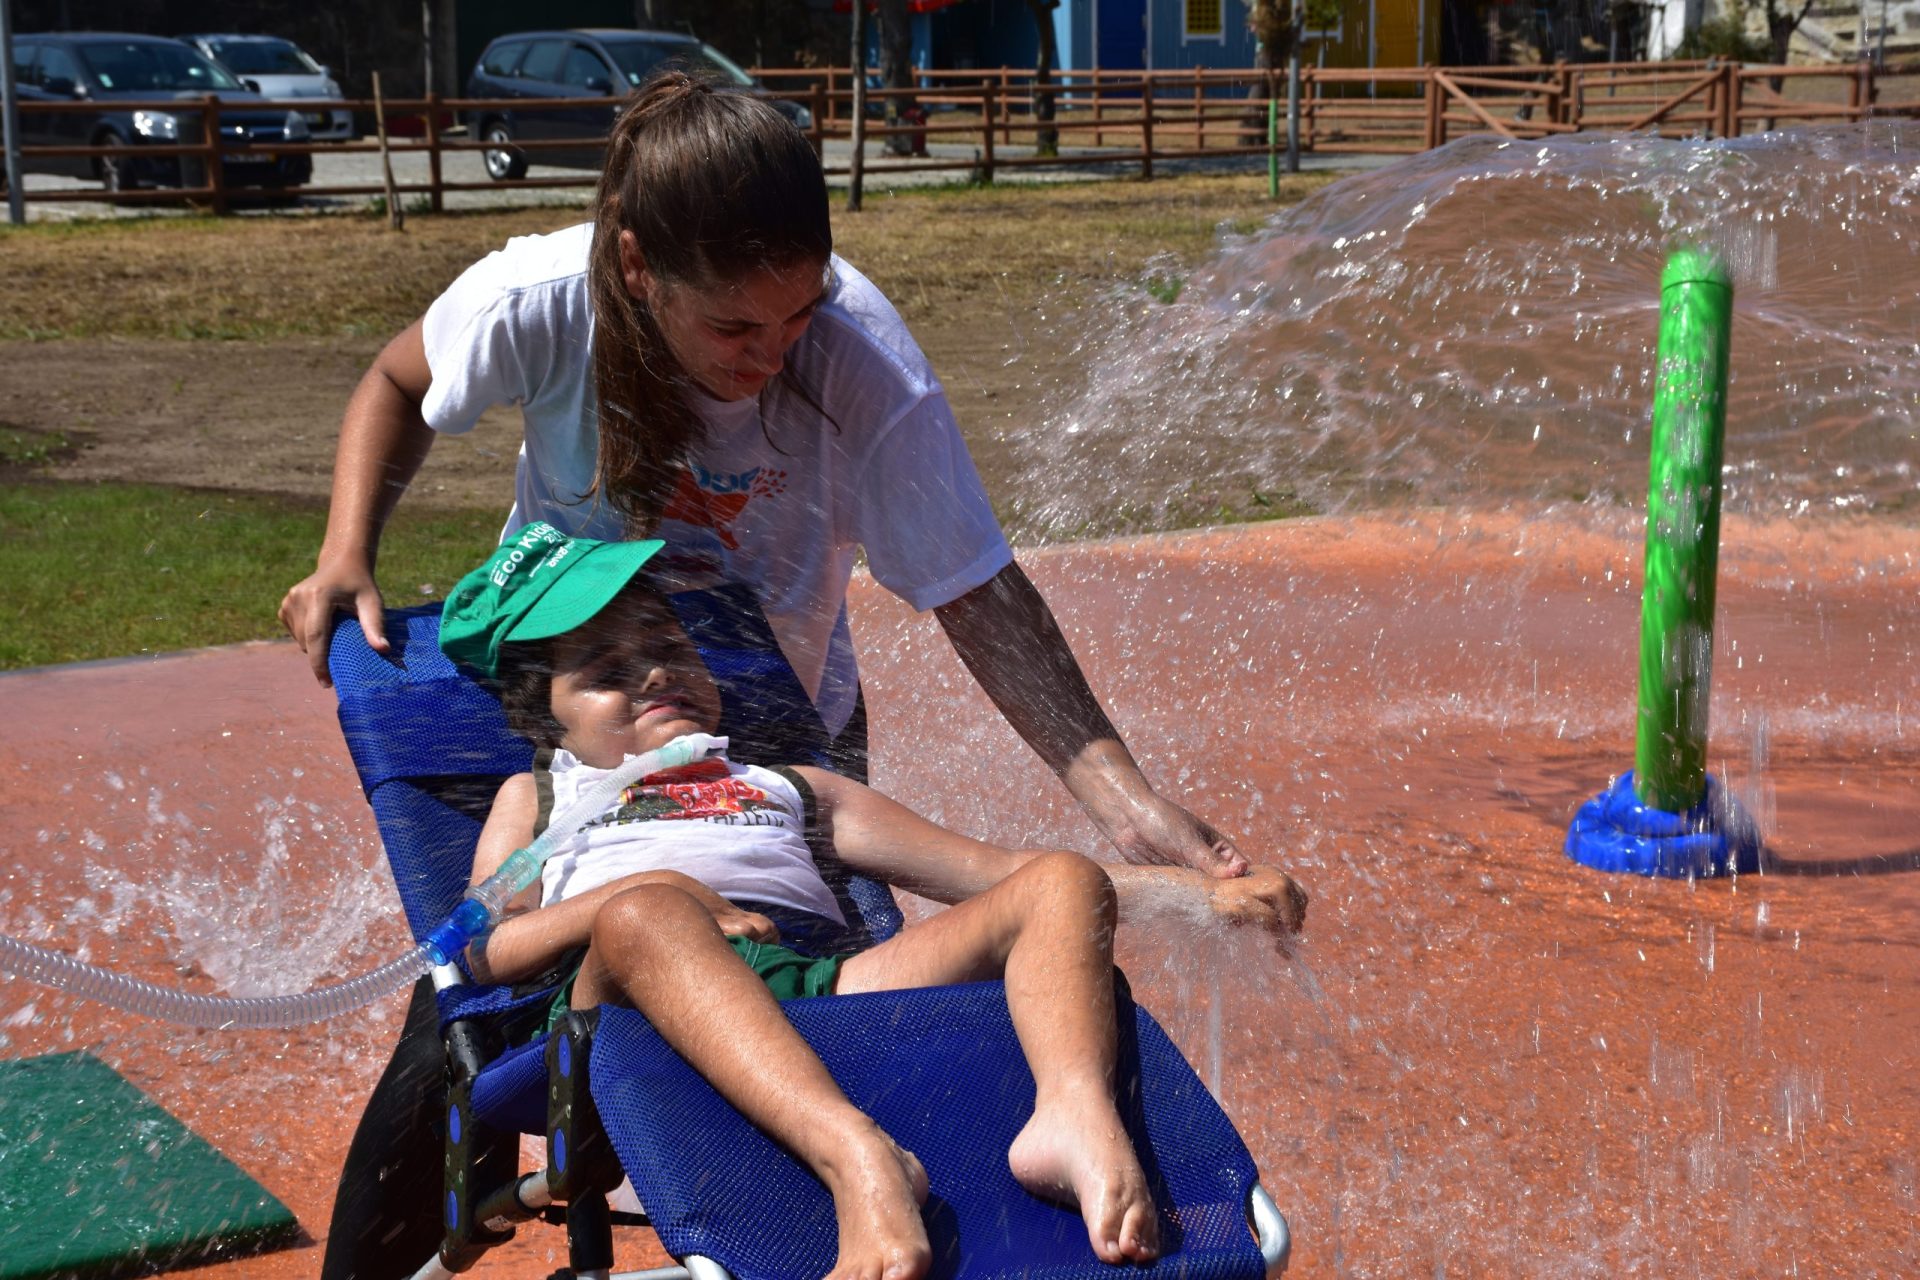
column 109, row 570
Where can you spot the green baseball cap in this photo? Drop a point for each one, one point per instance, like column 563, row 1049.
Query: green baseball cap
column 540, row 583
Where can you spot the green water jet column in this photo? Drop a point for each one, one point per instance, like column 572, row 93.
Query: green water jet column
column 1683, row 531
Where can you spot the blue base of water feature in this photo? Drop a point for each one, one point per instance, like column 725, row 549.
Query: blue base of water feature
column 1615, row 832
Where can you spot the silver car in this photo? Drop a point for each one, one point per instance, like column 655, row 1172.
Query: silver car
column 283, row 72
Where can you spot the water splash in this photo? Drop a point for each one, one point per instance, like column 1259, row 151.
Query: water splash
column 1476, row 324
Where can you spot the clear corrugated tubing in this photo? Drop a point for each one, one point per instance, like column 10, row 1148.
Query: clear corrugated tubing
column 477, row 912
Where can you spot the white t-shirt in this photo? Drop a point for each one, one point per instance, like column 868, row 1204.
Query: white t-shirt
column 736, row 828
column 776, row 497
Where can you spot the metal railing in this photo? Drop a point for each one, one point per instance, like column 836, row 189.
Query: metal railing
column 979, row 123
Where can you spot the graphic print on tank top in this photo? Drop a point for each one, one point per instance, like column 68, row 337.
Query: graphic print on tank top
column 703, row 792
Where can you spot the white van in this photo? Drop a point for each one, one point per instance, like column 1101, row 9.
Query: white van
column 281, row 70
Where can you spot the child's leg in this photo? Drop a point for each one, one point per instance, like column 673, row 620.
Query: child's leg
column 657, row 949
column 1048, row 929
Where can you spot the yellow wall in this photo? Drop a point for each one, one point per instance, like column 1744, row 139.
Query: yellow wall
column 1398, row 42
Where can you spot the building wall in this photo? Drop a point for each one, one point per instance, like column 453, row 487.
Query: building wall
column 1198, row 33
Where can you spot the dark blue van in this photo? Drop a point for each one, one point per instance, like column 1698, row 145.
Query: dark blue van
column 547, row 67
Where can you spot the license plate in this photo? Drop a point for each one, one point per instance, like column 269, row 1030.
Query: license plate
column 253, row 157
column 316, row 117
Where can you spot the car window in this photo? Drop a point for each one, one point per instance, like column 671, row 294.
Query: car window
column 263, row 58
column 544, row 60
column 56, row 64
column 503, row 58
column 584, row 65
column 152, row 66
column 638, row 59
column 23, row 72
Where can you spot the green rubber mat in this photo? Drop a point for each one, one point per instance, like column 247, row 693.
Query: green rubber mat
column 97, row 1180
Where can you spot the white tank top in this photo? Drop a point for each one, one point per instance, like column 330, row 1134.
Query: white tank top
column 738, row 829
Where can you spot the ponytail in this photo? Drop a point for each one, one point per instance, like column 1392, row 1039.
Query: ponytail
column 714, row 184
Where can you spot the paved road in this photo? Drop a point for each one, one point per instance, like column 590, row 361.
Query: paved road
column 363, row 169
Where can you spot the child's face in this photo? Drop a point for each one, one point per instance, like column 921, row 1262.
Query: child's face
column 630, row 681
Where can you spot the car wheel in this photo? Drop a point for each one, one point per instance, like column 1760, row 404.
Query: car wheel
column 504, row 164
column 111, row 170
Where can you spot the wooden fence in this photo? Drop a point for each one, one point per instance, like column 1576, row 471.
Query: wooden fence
column 978, row 123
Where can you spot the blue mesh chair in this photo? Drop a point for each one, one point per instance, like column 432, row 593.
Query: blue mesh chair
column 939, row 1069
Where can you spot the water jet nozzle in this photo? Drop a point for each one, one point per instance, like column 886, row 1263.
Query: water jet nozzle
column 1666, row 817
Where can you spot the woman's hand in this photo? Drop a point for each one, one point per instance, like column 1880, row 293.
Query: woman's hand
column 383, row 441
column 340, row 586
column 1148, row 829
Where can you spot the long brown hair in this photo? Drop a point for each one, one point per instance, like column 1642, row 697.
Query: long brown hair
column 714, row 184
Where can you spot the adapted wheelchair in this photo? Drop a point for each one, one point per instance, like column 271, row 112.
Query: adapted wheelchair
column 939, row 1069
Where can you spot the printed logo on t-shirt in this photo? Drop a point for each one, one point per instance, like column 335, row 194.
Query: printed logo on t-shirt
column 716, row 500
column 705, row 792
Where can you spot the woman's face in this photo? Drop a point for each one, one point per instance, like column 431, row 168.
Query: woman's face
column 731, row 338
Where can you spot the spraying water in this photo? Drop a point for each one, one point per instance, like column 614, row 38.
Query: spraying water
column 1474, row 325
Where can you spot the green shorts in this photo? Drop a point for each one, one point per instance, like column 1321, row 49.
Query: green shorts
column 787, row 973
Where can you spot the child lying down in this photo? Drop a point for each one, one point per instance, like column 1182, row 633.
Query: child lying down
column 656, row 897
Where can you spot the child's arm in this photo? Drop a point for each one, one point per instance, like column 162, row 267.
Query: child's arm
column 884, row 839
column 530, row 937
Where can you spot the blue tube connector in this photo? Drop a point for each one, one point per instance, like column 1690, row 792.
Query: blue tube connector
column 1614, row 831
column 451, row 937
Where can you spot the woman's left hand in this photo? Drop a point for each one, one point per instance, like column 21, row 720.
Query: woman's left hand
column 1155, row 831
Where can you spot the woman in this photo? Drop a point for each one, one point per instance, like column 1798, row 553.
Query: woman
column 697, row 366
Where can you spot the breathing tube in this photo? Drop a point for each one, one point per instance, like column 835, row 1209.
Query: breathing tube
column 478, row 912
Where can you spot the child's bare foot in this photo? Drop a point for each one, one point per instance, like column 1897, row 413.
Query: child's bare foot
column 1081, row 1154
column 878, row 1188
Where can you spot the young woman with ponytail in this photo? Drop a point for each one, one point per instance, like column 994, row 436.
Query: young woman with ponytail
column 696, row 365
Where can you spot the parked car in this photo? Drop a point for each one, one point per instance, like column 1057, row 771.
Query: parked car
column 109, row 71
column 281, row 70
column 542, row 66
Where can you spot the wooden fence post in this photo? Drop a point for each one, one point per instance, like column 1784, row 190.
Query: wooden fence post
column 1006, row 103
column 1436, row 114
column 436, row 199
column 986, row 130
column 216, row 155
column 818, row 134
column 1146, row 129
column 1199, row 109
column 1309, row 106
column 1730, row 107
column 833, row 104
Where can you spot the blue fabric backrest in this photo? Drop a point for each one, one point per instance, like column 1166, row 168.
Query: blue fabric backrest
column 942, row 1072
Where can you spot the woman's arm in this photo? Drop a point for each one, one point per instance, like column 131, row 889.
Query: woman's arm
column 530, row 937
column 383, row 441
column 885, row 840
column 1008, row 638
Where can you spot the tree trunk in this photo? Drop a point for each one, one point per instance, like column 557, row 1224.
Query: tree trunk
column 1271, row 22
column 896, row 69
column 1047, row 138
